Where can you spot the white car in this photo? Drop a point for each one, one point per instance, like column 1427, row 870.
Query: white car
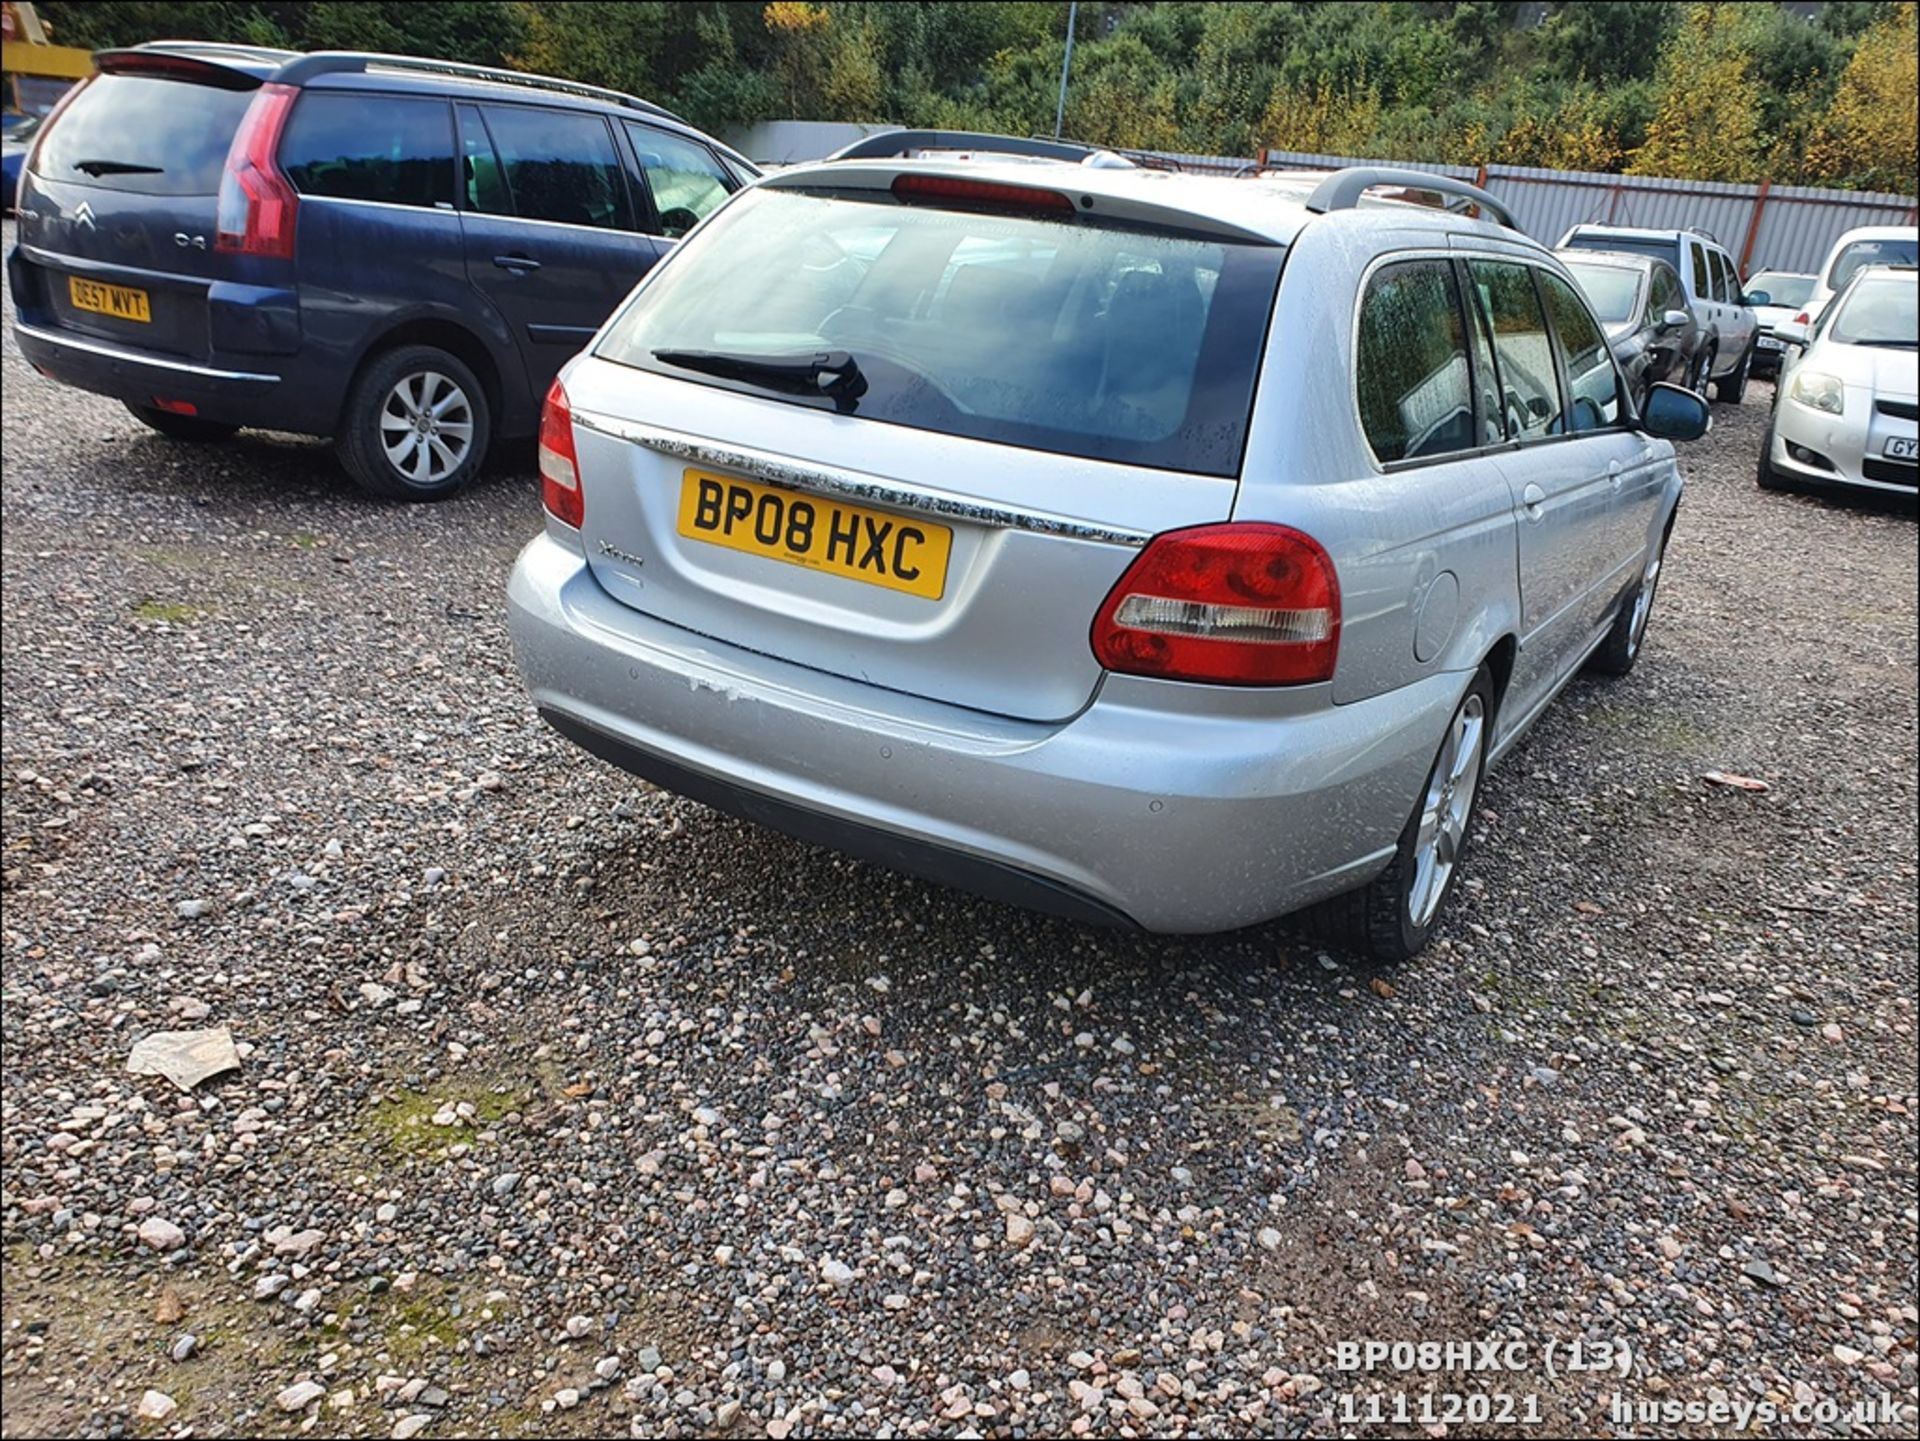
column 1844, row 414
column 1777, row 297
column 1867, row 245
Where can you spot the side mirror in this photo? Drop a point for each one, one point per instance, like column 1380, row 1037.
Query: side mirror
column 1790, row 332
column 1674, row 414
column 1674, row 320
column 1757, row 297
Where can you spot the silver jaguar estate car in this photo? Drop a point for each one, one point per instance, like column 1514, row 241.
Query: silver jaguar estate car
column 1155, row 549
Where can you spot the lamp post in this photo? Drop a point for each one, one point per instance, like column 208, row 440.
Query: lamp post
column 1060, row 110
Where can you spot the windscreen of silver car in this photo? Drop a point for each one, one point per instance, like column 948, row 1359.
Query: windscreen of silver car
column 1880, row 310
column 1056, row 334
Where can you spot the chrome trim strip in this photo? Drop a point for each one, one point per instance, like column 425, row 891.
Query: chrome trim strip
column 439, row 207
column 134, row 357
column 851, row 484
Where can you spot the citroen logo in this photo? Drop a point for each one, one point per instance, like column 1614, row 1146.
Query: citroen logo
column 83, row 215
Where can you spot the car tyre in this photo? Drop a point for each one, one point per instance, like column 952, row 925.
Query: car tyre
column 1625, row 641
column 1702, row 373
column 1391, row 917
column 416, row 425
column 1764, row 474
column 181, row 427
column 1731, row 390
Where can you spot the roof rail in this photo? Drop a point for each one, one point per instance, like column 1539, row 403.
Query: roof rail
column 892, row 143
column 348, row 62
column 1342, row 189
column 1702, row 230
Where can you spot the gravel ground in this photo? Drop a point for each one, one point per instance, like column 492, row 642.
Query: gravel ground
column 570, row 1108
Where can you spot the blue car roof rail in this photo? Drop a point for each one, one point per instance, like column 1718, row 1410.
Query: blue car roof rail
column 303, row 68
column 1343, row 190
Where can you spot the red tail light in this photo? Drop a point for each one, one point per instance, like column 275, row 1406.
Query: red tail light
column 1803, row 318
column 1247, row 604
column 559, row 466
column 258, row 206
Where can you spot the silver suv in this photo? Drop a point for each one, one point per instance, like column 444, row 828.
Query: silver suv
column 1729, row 329
column 1144, row 547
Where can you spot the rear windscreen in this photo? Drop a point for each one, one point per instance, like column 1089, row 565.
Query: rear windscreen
column 1666, row 250
column 1895, row 251
column 152, row 137
column 1057, row 335
column 1611, row 290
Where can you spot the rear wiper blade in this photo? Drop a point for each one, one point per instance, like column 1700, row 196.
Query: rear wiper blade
column 832, row 373
column 97, row 168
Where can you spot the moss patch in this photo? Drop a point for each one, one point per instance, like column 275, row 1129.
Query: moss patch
column 404, row 1122
column 170, row 611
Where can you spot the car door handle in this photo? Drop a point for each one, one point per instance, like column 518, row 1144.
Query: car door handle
column 1533, row 502
column 1613, row 473
column 518, row 264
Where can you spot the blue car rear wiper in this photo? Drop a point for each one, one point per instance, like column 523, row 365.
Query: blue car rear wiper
column 97, row 168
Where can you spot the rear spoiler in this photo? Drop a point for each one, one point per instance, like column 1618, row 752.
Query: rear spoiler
column 173, row 65
column 897, row 144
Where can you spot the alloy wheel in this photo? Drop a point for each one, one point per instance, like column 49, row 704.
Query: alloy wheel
column 426, row 427
column 1643, row 604
column 1445, row 810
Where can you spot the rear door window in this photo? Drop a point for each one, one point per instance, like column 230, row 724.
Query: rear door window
column 1702, row 279
column 1658, row 249
column 560, row 165
column 393, row 149
column 483, row 184
column 144, row 135
column 1723, row 287
column 1593, row 385
column 1049, row 333
column 1413, row 377
column 687, row 182
column 1530, row 388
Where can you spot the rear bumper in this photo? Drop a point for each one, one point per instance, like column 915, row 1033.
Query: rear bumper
column 1174, row 819
column 261, row 383
column 235, row 397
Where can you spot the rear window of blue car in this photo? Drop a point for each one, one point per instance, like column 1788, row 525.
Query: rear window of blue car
column 1057, row 335
column 144, row 135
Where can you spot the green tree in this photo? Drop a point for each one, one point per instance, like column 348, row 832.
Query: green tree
column 1621, row 40
column 1867, row 138
column 1708, row 123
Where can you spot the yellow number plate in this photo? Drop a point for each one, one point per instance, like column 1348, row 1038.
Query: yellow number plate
column 809, row 530
column 122, row 302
